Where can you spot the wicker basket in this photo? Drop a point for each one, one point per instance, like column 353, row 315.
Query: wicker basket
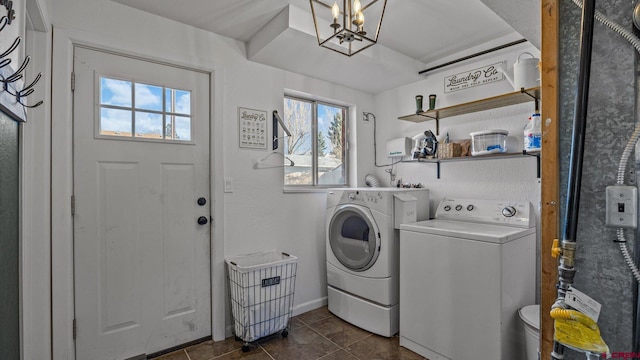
column 449, row 150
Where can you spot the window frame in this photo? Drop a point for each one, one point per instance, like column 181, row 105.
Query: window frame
column 99, row 106
column 314, row 145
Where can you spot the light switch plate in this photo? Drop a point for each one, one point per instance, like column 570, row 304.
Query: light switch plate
column 228, row 185
column 622, row 205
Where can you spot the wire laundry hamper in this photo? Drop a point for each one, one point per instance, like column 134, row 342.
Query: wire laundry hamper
column 261, row 288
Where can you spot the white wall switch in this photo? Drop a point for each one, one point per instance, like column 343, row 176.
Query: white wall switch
column 228, row 185
column 622, row 204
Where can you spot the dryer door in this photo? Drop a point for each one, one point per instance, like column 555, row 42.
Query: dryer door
column 354, row 237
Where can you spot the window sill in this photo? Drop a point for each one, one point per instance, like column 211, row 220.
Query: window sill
column 295, row 190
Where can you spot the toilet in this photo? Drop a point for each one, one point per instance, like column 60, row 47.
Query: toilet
column 530, row 316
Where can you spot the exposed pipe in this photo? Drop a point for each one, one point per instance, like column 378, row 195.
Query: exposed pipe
column 473, row 55
column 566, row 270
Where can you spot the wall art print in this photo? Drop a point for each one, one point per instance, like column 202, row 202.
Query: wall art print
column 252, row 128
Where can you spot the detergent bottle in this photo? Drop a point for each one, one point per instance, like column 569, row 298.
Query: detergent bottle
column 533, row 133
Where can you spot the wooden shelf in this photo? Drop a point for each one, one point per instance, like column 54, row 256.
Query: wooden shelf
column 516, row 97
column 496, row 156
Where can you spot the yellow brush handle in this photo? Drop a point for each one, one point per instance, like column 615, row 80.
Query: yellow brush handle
column 574, row 315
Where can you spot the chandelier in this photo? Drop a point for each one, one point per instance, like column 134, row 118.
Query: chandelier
column 346, row 31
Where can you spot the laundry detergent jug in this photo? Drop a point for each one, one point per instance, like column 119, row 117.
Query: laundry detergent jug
column 533, row 133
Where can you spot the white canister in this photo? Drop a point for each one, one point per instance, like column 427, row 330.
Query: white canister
column 530, row 316
column 525, row 72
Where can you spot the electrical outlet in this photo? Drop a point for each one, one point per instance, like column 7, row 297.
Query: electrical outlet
column 622, row 204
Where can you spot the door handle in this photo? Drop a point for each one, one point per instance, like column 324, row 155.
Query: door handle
column 202, row 201
column 202, row 220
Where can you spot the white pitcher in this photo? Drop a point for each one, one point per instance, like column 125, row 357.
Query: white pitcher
column 525, row 73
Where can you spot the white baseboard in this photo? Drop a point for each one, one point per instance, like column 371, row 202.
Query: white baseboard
column 228, row 331
column 297, row 310
column 309, row 305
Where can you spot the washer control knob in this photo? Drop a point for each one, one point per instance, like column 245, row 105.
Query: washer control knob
column 447, row 208
column 352, row 196
column 458, row 207
column 470, row 207
column 508, row 211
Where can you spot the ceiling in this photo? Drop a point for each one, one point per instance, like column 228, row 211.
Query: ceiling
column 414, row 34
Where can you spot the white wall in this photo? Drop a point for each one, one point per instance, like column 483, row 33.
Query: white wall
column 257, row 215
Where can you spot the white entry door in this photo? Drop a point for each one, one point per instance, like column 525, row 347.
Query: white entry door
column 142, row 206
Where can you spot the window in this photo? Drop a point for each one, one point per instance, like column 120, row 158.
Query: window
column 135, row 110
column 317, row 144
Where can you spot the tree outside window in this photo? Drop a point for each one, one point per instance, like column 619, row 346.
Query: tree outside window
column 317, row 143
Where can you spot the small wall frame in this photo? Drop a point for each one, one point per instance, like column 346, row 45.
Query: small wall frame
column 252, row 129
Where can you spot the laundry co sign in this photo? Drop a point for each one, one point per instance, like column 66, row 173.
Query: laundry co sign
column 476, row 77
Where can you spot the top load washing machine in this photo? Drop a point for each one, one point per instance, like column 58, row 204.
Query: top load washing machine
column 362, row 252
column 463, row 278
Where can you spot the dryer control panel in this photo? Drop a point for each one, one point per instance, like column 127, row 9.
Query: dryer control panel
column 379, row 199
column 355, row 197
column 513, row 213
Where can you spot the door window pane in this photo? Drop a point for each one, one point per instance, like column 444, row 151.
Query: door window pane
column 115, row 92
column 115, row 122
column 178, row 101
column 148, row 125
column 183, row 128
column 148, row 97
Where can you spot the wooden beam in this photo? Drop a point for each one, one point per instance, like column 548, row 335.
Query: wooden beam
column 550, row 194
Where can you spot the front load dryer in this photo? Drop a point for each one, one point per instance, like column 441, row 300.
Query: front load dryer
column 363, row 253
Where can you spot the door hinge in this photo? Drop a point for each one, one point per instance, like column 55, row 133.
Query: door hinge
column 73, row 81
column 73, row 205
column 75, row 332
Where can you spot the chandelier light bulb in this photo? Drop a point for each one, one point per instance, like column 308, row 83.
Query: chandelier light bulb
column 359, row 21
column 335, row 11
column 357, row 7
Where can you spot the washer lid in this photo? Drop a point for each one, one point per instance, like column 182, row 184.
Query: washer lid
column 466, row 230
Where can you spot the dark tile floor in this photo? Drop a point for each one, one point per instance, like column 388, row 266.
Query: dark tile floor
column 317, row 334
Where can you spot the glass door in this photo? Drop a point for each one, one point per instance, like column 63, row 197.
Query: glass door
column 9, row 240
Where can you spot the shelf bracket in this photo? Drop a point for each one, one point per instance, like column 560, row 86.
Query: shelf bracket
column 436, row 118
column 537, row 155
column 535, row 97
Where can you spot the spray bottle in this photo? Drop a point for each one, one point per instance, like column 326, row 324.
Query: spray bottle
column 533, row 133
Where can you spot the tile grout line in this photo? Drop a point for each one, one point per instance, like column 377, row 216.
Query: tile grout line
column 290, row 330
column 339, row 347
column 266, row 352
